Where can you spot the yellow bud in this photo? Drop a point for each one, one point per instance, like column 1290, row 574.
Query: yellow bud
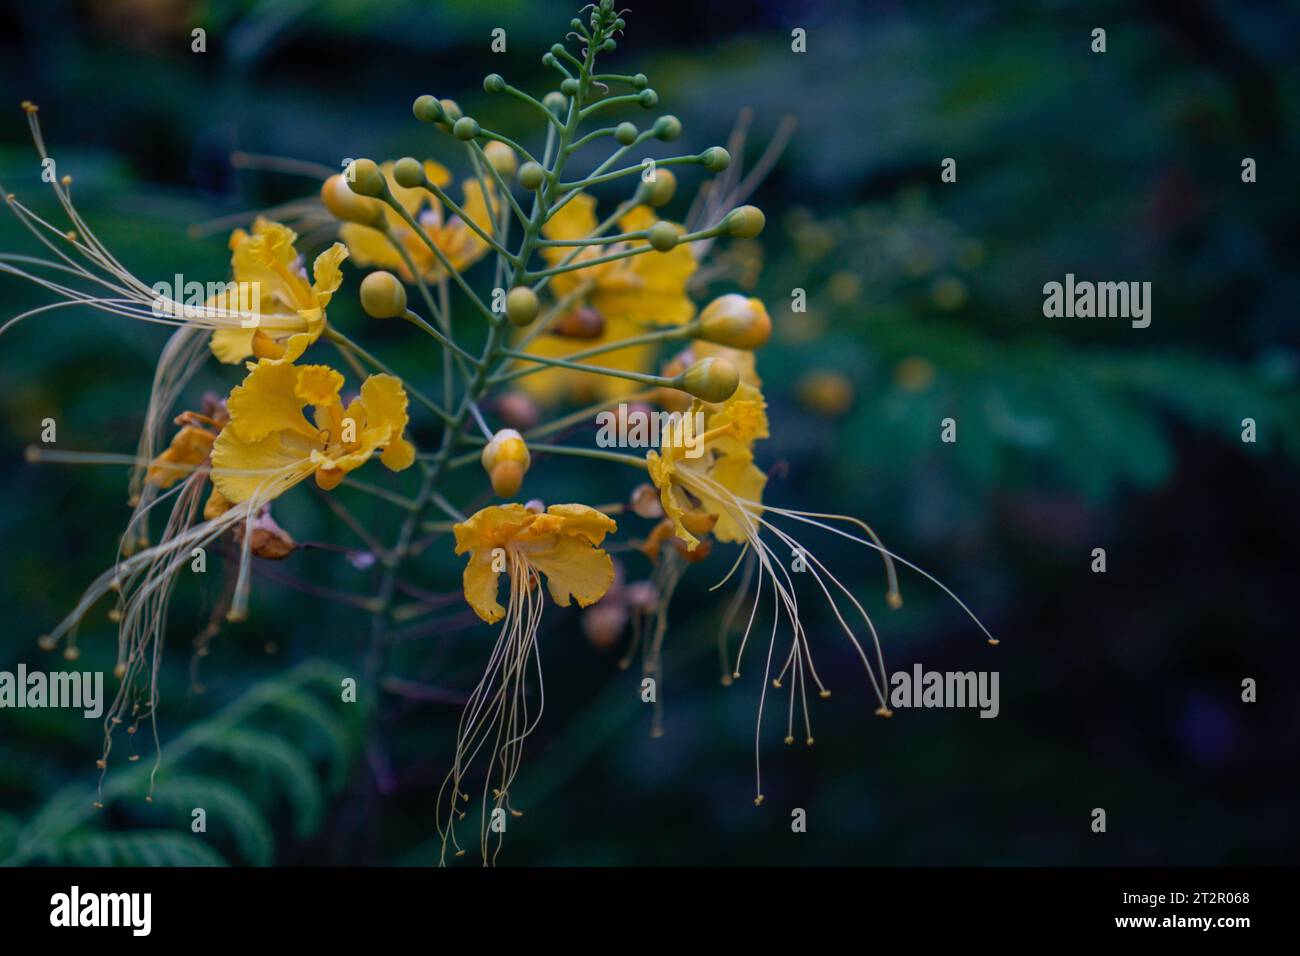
column 745, row 222
column 711, row 379
column 660, row 190
column 364, row 178
column 662, row 236
column 382, row 295
column 506, row 460
column 521, row 305
column 502, row 158
column 736, row 322
column 346, row 205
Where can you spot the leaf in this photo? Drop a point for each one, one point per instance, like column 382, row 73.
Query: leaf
column 315, row 714
column 138, row 848
column 271, row 755
column 228, row 811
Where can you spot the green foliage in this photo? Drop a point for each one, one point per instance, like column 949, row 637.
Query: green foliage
column 234, row 765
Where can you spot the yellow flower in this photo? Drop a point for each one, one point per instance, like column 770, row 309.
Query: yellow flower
column 459, row 243
column 267, row 257
column 710, row 483
column 269, row 445
column 629, row 295
column 561, row 543
column 189, row 448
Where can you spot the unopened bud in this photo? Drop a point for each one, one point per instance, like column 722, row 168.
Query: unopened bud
column 662, row 236
column 409, row 172
column 518, row 410
column 427, row 109
column 715, row 159
column 466, row 128
column 645, row 501
column 502, row 158
column 506, row 460
column 555, row 102
column 531, row 175
column 382, row 295
column 494, row 83
column 660, row 190
column 668, row 128
column 521, row 305
column 366, row 179
column 745, row 222
column 625, row 133
column 710, row 379
column 346, row 205
column 735, row 321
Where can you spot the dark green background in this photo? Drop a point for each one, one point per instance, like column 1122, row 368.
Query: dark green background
column 1119, row 690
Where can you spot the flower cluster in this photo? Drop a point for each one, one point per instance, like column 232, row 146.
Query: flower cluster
column 577, row 303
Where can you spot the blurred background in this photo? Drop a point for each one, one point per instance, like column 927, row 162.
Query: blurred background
column 1119, row 690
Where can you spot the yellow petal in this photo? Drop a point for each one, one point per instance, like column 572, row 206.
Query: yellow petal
column 317, row 385
column 267, row 402
column 326, row 274
column 385, row 403
column 480, row 584
column 264, row 469
column 573, row 568
column 740, row 476
column 583, row 521
column 370, row 247
column 576, row 219
column 233, row 345
column 399, row 455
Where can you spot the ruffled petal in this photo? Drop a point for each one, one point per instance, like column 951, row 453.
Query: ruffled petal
column 267, row 402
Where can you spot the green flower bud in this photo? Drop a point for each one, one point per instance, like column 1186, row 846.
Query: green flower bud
column 667, row 128
column 736, row 322
column 625, row 133
column 363, row 176
column 427, row 109
column 660, row 190
column 451, row 109
column 648, row 99
column 409, row 172
column 610, row 45
column 715, row 159
column 557, row 49
column 662, row 235
column 521, row 305
column 569, row 86
column 531, row 175
column 502, row 158
column 555, row 102
column 466, row 128
column 745, row 222
column 548, row 60
column 494, row 83
column 382, row 295
column 640, row 82
column 346, row 205
column 711, row 380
